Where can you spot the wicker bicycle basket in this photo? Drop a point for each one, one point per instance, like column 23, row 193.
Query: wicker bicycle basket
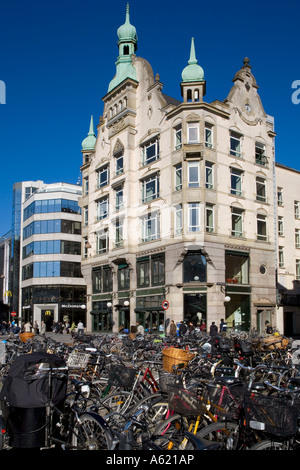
column 174, row 356
column 77, row 360
column 274, row 342
column 121, row 376
column 273, row 415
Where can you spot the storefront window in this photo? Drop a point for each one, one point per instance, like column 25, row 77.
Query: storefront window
column 194, row 267
column 237, row 268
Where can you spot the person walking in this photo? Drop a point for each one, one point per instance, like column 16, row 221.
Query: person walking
column 182, row 329
column 43, row 328
column 191, row 328
column 223, row 325
column 80, row 329
column 213, row 331
column 27, row 327
column 140, row 329
column 173, row 329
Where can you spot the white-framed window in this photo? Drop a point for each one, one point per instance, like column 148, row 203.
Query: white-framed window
column 297, row 209
column 260, row 154
column 261, row 193
column 150, row 151
column 119, row 163
column 119, row 193
column 178, row 137
column 280, row 226
column 178, row 177
column 102, row 241
column 150, row 226
column 209, row 218
column 86, row 215
column 235, row 144
column 102, row 177
column 280, row 196
column 298, row 269
column 150, row 188
column 193, row 132
column 102, row 208
column 261, row 227
column 193, row 174
column 85, row 249
column 85, row 185
column 209, row 175
column 297, row 238
column 194, row 217
column 119, row 232
column 178, row 219
column 236, row 181
column 280, row 257
column 237, row 216
column 208, row 135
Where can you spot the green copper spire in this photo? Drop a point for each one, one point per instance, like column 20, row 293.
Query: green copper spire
column 89, row 142
column 192, row 72
column 127, row 46
column 127, row 31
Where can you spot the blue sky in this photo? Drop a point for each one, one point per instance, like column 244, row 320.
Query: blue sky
column 57, row 58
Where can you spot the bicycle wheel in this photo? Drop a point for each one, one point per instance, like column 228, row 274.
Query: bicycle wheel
column 267, row 444
column 89, row 434
column 170, row 434
column 226, row 434
column 117, row 402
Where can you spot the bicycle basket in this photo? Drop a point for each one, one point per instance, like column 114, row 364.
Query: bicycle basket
column 121, row 376
column 78, row 360
column 273, row 415
column 184, row 402
column 166, row 379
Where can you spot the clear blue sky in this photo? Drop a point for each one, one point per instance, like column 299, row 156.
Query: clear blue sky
column 57, row 58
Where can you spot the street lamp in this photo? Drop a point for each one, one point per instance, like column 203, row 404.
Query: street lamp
column 227, row 298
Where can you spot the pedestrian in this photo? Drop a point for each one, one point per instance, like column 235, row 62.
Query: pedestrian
column 269, row 329
column 72, row 329
column 191, row 328
column 27, row 327
column 182, row 329
column 43, row 328
column 80, row 329
column 223, row 325
column 202, row 326
column 140, row 329
column 36, row 328
column 173, row 329
column 213, row 331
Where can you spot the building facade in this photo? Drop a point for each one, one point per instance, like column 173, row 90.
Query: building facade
column 178, row 205
column 288, row 243
column 52, row 286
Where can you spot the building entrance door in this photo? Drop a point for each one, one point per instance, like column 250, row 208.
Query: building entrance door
column 47, row 316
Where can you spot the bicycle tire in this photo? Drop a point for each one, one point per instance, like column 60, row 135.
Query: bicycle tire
column 90, row 433
column 170, row 434
column 225, row 433
column 116, row 402
column 268, row 444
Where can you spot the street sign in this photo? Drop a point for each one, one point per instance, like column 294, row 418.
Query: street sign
column 165, row 305
column 13, row 314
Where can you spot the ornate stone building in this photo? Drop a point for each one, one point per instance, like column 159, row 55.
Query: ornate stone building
column 178, row 201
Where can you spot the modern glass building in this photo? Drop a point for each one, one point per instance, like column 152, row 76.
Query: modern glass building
column 52, row 286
